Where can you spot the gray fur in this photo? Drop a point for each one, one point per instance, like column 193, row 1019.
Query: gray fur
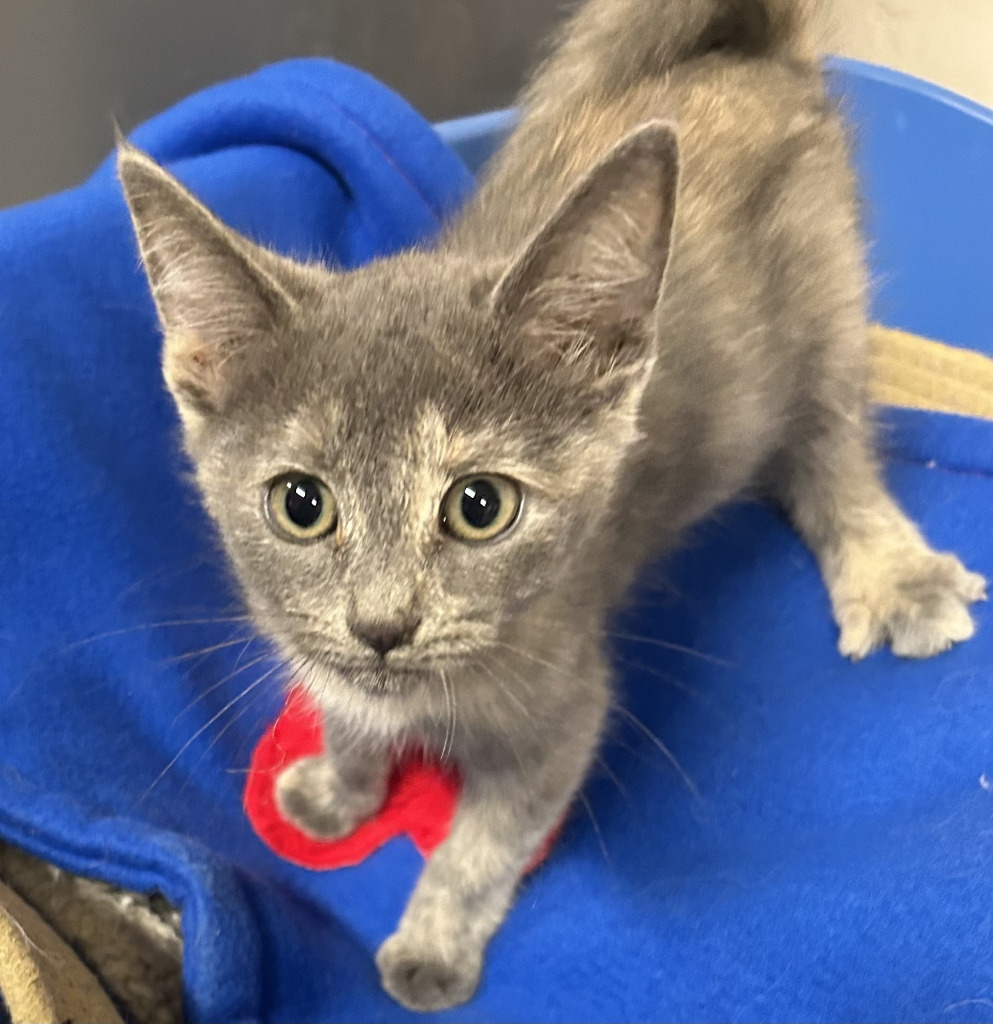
column 530, row 342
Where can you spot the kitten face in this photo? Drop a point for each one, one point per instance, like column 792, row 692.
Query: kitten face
column 390, row 412
column 402, row 460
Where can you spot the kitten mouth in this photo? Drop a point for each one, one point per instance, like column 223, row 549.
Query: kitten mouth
column 382, row 676
column 398, row 672
column 394, row 664
column 386, row 666
column 382, row 680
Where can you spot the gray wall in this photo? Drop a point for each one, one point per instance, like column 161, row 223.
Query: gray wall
column 68, row 67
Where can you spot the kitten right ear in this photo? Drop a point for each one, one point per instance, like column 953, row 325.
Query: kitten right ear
column 213, row 295
column 585, row 286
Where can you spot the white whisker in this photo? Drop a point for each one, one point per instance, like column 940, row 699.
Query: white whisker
column 203, row 728
column 168, row 623
column 220, row 682
column 669, row 756
column 668, row 646
column 612, row 775
column 596, row 825
column 450, row 720
column 203, row 652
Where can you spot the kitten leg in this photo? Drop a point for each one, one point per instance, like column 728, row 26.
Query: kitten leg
column 329, row 795
column 434, row 958
column 886, row 584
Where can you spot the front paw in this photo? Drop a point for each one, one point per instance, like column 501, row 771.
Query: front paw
column 918, row 601
column 422, row 979
column 309, row 795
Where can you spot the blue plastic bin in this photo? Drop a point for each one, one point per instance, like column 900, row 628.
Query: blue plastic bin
column 925, row 156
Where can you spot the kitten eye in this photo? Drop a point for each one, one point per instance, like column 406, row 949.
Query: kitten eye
column 300, row 507
column 478, row 508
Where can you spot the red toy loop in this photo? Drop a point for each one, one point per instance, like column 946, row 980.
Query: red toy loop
column 420, row 800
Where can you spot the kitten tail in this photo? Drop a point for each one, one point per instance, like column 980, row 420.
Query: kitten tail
column 610, row 45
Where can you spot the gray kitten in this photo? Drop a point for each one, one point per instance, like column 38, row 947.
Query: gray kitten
column 432, row 474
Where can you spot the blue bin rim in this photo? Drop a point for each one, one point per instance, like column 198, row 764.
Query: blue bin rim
column 499, row 122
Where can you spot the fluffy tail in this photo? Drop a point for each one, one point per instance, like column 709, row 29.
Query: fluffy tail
column 609, row 45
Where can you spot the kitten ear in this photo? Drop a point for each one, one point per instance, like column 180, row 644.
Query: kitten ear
column 584, row 289
column 214, row 296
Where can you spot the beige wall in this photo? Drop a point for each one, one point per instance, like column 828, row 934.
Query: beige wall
column 68, row 67
column 947, row 41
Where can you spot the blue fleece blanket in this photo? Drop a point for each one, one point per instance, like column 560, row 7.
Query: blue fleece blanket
column 830, row 857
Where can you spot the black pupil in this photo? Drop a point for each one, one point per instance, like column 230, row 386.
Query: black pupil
column 303, row 502
column 480, row 504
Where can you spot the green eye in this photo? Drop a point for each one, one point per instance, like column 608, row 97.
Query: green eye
column 479, row 508
column 300, row 507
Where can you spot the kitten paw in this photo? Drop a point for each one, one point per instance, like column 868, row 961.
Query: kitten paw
column 915, row 599
column 309, row 795
column 420, row 979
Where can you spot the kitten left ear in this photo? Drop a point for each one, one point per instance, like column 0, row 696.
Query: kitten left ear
column 584, row 289
column 213, row 289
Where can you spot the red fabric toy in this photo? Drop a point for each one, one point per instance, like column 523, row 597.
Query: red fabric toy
column 420, row 801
